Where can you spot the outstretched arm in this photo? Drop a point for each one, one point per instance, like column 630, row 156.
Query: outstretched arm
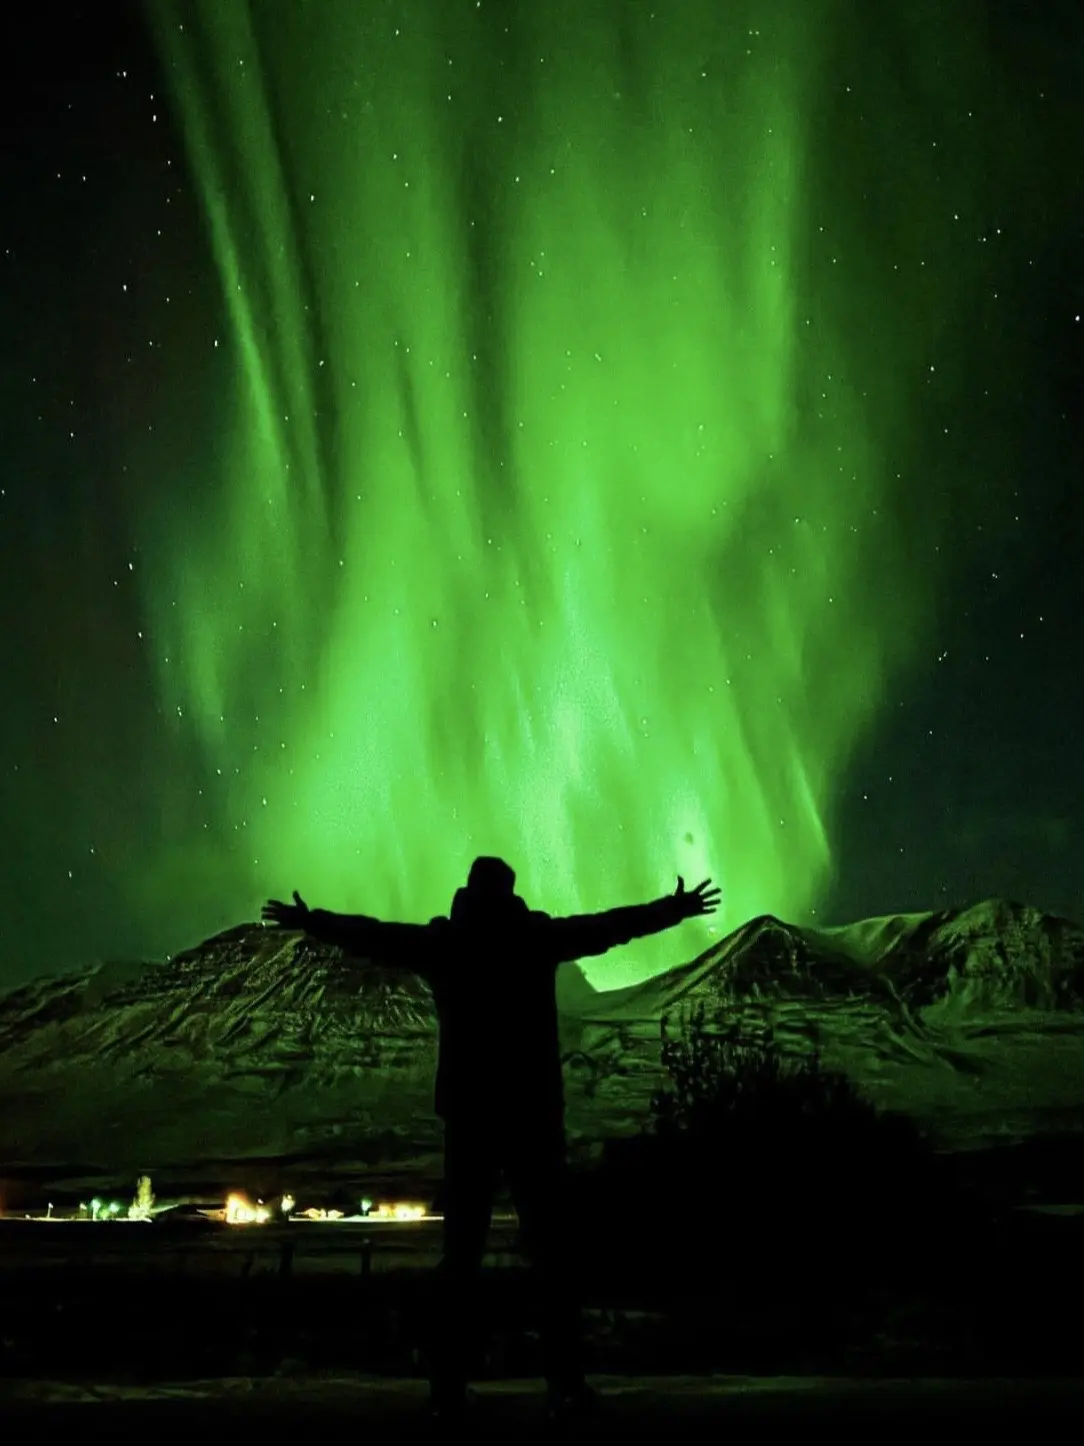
column 584, row 934
column 403, row 944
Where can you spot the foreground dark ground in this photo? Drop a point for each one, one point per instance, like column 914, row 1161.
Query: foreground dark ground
column 127, row 1330
column 637, row 1406
column 146, row 1303
column 870, row 1306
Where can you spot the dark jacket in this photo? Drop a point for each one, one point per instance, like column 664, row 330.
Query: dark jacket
column 492, row 968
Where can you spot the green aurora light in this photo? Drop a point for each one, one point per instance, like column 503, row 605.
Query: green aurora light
column 555, row 513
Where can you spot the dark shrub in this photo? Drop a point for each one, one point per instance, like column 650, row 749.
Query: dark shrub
column 758, row 1167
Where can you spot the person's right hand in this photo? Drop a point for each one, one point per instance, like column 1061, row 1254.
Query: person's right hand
column 286, row 916
column 704, row 899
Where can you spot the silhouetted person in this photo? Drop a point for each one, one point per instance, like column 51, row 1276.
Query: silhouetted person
column 492, row 968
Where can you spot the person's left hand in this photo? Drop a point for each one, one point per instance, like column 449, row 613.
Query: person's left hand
column 286, row 916
column 704, row 899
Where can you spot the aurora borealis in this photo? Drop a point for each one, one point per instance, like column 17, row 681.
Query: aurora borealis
column 571, row 431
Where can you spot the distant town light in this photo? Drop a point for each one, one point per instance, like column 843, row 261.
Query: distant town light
column 142, row 1206
column 399, row 1211
column 240, row 1211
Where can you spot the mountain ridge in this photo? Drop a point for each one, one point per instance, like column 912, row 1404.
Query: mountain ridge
column 259, row 1045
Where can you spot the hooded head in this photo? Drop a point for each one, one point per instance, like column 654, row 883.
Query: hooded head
column 490, row 892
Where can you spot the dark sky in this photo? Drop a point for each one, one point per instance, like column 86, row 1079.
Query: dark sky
column 972, row 783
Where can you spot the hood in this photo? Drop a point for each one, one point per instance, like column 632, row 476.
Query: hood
column 473, row 907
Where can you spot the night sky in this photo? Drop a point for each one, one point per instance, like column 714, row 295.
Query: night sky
column 907, row 691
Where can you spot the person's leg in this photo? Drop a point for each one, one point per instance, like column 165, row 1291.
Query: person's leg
column 538, row 1178
column 470, row 1183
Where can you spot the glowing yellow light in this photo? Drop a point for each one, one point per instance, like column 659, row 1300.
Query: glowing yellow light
column 142, row 1206
column 288, row 1203
column 399, row 1211
column 240, row 1211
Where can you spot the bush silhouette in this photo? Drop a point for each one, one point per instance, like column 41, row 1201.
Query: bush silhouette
column 785, row 1166
column 772, row 1112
